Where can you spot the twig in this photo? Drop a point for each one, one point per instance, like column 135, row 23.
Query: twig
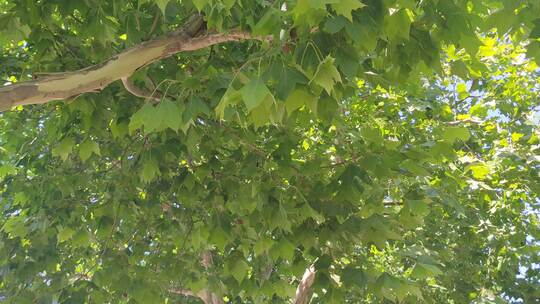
column 154, row 24
column 133, row 89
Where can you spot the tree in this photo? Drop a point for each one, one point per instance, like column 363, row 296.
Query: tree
column 235, row 151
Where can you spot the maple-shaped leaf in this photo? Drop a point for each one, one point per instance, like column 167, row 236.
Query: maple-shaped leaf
column 170, row 115
column 254, row 93
column 87, row 148
column 150, row 171
column 64, row 148
column 326, row 75
column 345, row 7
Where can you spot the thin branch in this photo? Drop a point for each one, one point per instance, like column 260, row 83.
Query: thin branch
column 243, row 142
column 154, row 23
column 133, row 89
column 183, row 292
column 458, row 122
column 388, row 204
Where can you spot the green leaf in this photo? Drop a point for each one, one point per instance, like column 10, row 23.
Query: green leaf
column 15, row 226
column 415, row 168
column 268, row 24
column 64, row 148
column 459, row 68
column 81, row 239
column 229, row 3
column 410, row 4
column 239, row 269
column 254, row 93
column 143, row 293
column 147, row 116
column 533, row 51
column 397, row 25
column 326, row 75
column 150, row 171
column 335, row 24
column 462, row 91
column 11, row 29
column 470, row 42
column 87, row 148
column 119, row 129
column 535, row 31
column 170, row 115
column 479, row 170
column 262, row 114
column 353, row 277
column 297, row 99
column 64, row 234
column 262, row 245
column 406, row 289
column 7, row 170
column 231, row 97
column 20, row 198
column 451, row 134
column 283, row 289
column 418, row 207
column 162, row 4
column 279, row 220
column 219, row 237
column 423, row 271
column 199, row 237
column 200, row 4
column 310, row 12
column 285, row 249
column 195, row 107
column 345, row 7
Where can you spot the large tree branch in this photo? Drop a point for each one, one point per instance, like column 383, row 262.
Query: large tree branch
column 61, row 86
column 303, row 291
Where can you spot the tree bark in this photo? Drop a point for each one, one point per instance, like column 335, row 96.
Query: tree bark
column 61, row 86
column 303, row 291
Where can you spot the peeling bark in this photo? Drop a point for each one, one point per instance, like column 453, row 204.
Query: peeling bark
column 303, row 291
column 61, row 86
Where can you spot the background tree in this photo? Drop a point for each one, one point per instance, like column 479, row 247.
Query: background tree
column 269, row 151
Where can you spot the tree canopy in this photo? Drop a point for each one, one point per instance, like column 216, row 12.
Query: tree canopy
column 254, row 151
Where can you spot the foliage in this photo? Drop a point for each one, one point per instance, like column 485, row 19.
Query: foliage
column 393, row 144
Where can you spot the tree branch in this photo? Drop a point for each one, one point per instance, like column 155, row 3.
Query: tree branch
column 468, row 120
column 183, row 292
column 303, row 291
column 64, row 85
column 133, row 89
